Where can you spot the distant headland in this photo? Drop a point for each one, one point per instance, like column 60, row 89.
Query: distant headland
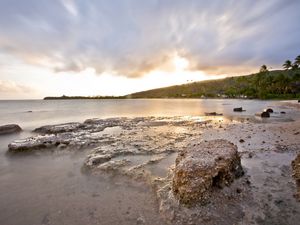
column 275, row 84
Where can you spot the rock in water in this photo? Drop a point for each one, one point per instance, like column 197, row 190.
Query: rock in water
column 202, row 167
column 296, row 174
column 239, row 109
column 263, row 114
column 269, row 110
column 9, row 129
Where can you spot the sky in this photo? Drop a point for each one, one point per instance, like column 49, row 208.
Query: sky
column 117, row 47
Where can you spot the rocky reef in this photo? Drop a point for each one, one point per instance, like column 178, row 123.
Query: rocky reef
column 190, row 163
column 204, row 166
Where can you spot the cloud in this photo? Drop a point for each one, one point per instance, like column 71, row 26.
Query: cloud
column 12, row 87
column 133, row 37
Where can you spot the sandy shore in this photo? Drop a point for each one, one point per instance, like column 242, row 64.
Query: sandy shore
column 144, row 150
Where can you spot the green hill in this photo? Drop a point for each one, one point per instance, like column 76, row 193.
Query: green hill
column 276, row 84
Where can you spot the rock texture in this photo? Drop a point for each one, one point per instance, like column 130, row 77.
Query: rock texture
column 9, row 129
column 202, row 167
column 296, row 174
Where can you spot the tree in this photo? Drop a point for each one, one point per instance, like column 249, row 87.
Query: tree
column 297, row 60
column 287, row 65
column 263, row 69
column 295, row 66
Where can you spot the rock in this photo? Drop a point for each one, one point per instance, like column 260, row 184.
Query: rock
column 140, row 221
column 299, row 101
column 34, row 143
column 203, row 167
column 269, row 110
column 59, row 128
column 9, row 129
column 263, row 114
column 98, row 159
column 296, row 174
column 241, row 141
column 282, row 112
column 212, row 114
column 239, row 109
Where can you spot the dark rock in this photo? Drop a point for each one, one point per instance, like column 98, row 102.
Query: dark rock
column 263, row 114
column 282, row 112
column 201, row 168
column 299, row 101
column 239, row 109
column 269, row 110
column 239, row 190
column 9, row 129
column 241, row 141
column 212, row 114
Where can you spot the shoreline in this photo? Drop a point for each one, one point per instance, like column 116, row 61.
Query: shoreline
column 149, row 143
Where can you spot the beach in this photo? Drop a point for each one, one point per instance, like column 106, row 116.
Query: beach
column 119, row 167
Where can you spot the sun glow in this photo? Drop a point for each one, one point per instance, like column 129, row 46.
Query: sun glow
column 180, row 63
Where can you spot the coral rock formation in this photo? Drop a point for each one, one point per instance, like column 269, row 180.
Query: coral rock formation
column 202, row 167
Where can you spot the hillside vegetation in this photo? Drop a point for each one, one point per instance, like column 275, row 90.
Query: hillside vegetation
column 277, row 84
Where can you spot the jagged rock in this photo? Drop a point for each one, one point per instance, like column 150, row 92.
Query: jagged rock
column 296, row 174
column 38, row 142
column 9, row 129
column 263, row 114
column 202, row 167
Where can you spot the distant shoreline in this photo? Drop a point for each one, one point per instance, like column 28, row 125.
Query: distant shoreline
column 128, row 97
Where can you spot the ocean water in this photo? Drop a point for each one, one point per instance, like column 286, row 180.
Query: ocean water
column 30, row 114
column 51, row 189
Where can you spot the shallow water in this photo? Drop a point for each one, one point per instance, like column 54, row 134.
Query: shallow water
column 50, row 188
column 30, row 114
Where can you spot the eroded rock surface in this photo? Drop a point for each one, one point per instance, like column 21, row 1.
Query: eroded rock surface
column 201, row 167
column 9, row 129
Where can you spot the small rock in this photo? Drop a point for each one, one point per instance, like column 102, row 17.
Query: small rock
column 241, row 140
column 140, row 221
column 269, row 110
column 263, row 114
column 239, row 109
column 238, row 190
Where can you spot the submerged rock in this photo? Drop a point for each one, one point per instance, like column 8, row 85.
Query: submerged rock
column 213, row 114
column 9, row 129
column 296, row 174
column 263, row 114
column 202, row 167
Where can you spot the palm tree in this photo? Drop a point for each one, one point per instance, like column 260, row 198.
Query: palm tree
column 295, row 66
column 287, row 65
column 297, row 60
column 263, row 68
